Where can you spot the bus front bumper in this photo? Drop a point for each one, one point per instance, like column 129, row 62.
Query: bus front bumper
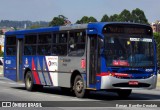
column 110, row 82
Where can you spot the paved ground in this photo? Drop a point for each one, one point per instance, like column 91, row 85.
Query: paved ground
column 1, row 70
column 12, row 91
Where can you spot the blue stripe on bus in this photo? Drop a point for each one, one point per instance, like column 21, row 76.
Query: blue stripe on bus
column 39, row 68
column 47, row 73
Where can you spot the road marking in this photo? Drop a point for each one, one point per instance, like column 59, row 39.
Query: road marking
column 76, row 99
column 5, row 89
column 2, row 82
column 56, row 97
column 12, row 83
column 21, row 84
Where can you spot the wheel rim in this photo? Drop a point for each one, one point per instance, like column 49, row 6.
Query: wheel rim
column 79, row 86
column 29, row 82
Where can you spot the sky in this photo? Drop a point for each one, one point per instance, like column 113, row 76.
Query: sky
column 45, row 10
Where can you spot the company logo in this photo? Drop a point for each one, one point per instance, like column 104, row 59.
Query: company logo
column 21, row 104
column 6, row 104
column 26, row 61
column 49, row 63
column 52, row 63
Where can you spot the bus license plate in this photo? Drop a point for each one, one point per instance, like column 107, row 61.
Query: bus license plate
column 133, row 82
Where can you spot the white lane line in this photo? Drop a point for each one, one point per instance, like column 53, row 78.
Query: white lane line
column 12, row 83
column 77, row 99
column 55, row 96
column 6, row 89
column 2, row 82
column 21, row 84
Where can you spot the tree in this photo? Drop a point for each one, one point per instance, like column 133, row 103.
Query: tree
column 1, row 53
column 138, row 16
column 86, row 19
column 157, row 38
column 35, row 26
column 125, row 16
column 114, row 17
column 105, row 18
column 57, row 21
column 92, row 19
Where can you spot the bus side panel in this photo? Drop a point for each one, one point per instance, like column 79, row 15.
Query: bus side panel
column 67, row 66
column 39, row 67
column 51, row 64
column 10, row 68
column 30, row 62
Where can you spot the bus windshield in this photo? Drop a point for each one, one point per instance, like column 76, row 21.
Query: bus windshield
column 128, row 51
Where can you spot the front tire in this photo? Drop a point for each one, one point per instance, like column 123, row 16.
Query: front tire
column 79, row 87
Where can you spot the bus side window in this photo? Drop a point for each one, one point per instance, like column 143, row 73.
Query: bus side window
column 44, row 50
column 29, row 50
column 11, row 45
column 76, row 43
column 59, row 46
column 30, row 44
column 44, row 44
column 44, row 38
column 11, row 50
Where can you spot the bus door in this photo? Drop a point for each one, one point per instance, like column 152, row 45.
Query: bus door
column 19, row 66
column 92, row 59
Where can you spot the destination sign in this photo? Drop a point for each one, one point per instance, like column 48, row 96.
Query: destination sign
column 127, row 29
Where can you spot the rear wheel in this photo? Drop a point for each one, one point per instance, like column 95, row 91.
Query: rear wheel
column 124, row 93
column 79, row 87
column 29, row 81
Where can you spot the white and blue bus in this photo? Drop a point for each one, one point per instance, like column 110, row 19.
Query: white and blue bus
column 105, row 56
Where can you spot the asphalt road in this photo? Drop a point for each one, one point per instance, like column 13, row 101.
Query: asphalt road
column 12, row 91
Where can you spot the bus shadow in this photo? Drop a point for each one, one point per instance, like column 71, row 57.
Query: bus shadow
column 96, row 95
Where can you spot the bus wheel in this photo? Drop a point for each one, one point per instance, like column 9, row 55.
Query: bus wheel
column 124, row 93
column 79, row 88
column 29, row 81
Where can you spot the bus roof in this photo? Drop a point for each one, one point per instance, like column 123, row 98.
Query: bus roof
column 97, row 25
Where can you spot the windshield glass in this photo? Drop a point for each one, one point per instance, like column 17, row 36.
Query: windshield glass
column 134, row 51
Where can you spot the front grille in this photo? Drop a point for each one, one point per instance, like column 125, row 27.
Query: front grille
column 136, row 77
column 127, row 85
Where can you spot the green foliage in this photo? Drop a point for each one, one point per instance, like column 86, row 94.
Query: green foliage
column 92, row 19
column 1, row 32
column 57, row 21
column 125, row 16
column 138, row 16
column 1, row 54
column 114, row 17
column 105, row 18
column 86, row 19
column 157, row 38
column 34, row 26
